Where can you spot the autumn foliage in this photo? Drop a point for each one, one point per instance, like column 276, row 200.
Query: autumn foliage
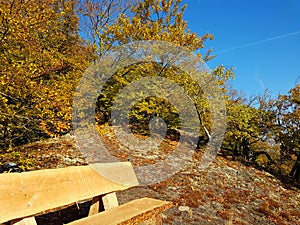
column 46, row 46
column 42, row 59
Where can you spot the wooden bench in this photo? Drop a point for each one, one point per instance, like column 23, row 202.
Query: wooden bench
column 25, row 195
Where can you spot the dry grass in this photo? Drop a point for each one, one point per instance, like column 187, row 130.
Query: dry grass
column 227, row 192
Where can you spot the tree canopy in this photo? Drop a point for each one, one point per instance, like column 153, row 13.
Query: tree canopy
column 42, row 57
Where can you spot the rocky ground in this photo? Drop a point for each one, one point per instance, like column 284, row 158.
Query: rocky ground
column 226, row 192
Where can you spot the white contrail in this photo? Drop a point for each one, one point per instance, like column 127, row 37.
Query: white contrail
column 261, row 83
column 259, row 42
column 297, row 81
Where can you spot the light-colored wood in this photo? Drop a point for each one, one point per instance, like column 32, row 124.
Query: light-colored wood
column 154, row 220
column 29, row 193
column 119, row 172
column 110, row 201
column 132, row 213
column 24, row 221
column 105, row 202
column 95, row 206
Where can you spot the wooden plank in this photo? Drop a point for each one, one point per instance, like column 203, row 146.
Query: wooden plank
column 29, row 193
column 154, row 220
column 24, row 221
column 110, row 201
column 132, row 213
column 96, row 206
column 119, row 172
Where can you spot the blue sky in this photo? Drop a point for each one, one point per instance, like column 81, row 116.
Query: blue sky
column 260, row 38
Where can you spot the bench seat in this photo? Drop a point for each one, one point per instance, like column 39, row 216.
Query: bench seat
column 139, row 211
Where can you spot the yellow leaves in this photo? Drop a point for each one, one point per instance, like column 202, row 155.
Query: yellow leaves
column 136, row 21
column 157, row 6
column 155, row 20
column 41, row 63
column 43, row 125
column 58, row 126
column 103, row 129
column 166, row 5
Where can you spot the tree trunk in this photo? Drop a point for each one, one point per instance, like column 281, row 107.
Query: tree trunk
column 295, row 172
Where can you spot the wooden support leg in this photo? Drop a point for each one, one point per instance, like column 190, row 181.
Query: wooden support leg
column 105, row 202
column 24, row 221
column 96, row 206
column 110, row 201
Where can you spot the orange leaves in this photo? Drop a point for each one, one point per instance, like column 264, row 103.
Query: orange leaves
column 42, row 59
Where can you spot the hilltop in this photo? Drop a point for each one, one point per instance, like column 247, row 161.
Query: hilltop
column 227, row 192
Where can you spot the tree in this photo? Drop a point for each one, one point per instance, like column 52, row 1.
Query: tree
column 160, row 20
column 96, row 15
column 156, row 20
column 42, row 58
column 287, row 121
column 242, row 128
column 278, row 125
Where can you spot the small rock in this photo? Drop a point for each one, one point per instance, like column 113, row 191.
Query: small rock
column 183, row 208
column 172, row 188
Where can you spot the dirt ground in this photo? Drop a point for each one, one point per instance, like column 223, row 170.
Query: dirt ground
column 226, row 192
